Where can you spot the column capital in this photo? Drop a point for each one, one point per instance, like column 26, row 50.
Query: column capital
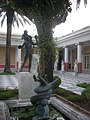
column 65, row 46
column 78, row 43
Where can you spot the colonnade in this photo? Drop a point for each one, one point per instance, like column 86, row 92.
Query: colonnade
column 79, row 58
column 66, row 60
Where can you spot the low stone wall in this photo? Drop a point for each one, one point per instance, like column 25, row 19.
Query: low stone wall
column 72, row 111
column 4, row 111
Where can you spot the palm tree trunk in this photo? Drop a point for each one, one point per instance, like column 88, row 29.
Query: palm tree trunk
column 10, row 14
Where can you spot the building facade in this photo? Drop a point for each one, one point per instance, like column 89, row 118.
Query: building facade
column 75, row 46
column 17, row 55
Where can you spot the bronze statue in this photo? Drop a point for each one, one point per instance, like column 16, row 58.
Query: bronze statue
column 40, row 99
column 28, row 43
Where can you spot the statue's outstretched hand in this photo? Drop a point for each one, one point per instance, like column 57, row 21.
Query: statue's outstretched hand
column 19, row 46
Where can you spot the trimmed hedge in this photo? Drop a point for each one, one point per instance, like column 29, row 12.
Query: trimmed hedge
column 57, row 83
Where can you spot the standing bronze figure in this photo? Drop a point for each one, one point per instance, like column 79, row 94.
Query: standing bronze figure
column 28, row 48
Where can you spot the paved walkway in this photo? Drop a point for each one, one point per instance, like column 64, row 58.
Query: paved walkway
column 69, row 81
column 8, row 81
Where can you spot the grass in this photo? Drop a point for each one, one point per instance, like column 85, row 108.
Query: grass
column 6, row 73
column 8, row 94
column 84, row 85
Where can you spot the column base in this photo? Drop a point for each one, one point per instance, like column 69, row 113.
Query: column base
column 79, row 67
column 66, row 65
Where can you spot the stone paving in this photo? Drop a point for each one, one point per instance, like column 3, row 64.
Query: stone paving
column 68, row 81
column 8, row 81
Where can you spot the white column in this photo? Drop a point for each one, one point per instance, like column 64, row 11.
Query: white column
column 18, row 58
column 79, row 58
column 66, row 59
column 66, row 55
column 79, row 54
column 71, row 58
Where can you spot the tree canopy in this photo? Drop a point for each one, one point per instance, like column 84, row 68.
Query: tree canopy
column 46, row 14
column 56, row 9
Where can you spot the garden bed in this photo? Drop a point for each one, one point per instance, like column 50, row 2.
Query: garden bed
column 82, row 100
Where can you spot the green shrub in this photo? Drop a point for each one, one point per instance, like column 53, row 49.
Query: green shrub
column 75, row 98
column 86, row 94
column 84, row 97
column 69, row 95
column 8, row 94
column 57, row 83
column 84, row 85
column 62, row 92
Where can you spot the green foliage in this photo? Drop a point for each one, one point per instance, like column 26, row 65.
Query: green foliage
column 86, row 93
column 57, row 83
column 84, row 85
column 62, row 92
column 48, row 46
column 8, row 94
column 76, row 98
column 6, row 73
column 25, row 113
column 84, row 97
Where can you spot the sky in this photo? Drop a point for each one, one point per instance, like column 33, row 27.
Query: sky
column 76, row 20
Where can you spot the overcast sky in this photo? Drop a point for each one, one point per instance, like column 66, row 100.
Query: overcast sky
column 77, row 19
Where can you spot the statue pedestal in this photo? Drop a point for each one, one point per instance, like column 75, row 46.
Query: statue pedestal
column 26, row 85
column 76, row 74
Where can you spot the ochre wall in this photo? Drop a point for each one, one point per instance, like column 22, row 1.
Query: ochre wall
column 12, row 58
column 3, row 53
column 86, row 49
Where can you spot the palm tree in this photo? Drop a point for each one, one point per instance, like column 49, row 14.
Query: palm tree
column 9, row 13
column 78, row 3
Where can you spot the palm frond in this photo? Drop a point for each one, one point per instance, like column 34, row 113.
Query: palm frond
column 79, row 1
column 25, row 20
column 20, row 20
column 1, row 15
column 2, row 21
column 85, row 2
column 16, row 20
column 1, row 11
column 13, row 22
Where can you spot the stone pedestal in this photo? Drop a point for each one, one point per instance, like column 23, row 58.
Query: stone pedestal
column 26, row 85
column 76, row 74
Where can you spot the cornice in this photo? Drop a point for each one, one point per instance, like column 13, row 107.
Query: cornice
column 74, row 37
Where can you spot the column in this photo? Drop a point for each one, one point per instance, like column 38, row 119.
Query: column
column 18, row 58
column 71, row 59
column 79, row 58
column 66, row 59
